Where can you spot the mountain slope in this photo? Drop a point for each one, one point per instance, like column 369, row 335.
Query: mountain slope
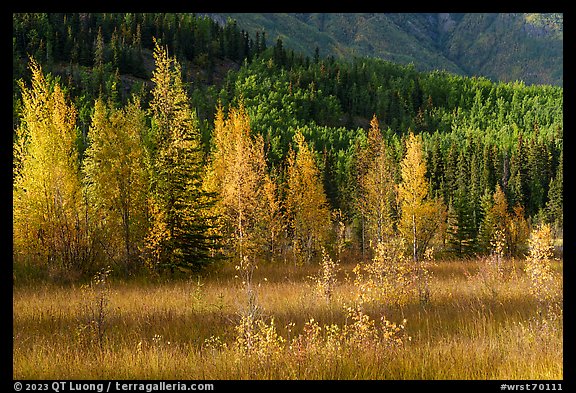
column 503, row 47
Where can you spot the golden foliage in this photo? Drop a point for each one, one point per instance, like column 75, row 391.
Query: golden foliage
column 306, row 204
column 420, row 217
column 414, row 186
column 543, row 281
column 115, row 177
column 326, row 279
column 177, row 195
column 248, row 204
column 256, row 338
column 377, row 191
column 47, row 193
column 389, row 278
column 545, row 286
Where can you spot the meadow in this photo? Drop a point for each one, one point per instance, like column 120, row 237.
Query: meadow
column 472, row 326
column 141, row 143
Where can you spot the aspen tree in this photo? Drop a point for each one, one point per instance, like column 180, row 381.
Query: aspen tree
column 271, row 223
column 115, row 176
column 377, row 187
column 412, row 192
column 512, row 228
column 239, row 170
column 496, row 218
column 538, row 265
column 420, row 216
column 50, row 224
column 306, row 203
column 248, row 202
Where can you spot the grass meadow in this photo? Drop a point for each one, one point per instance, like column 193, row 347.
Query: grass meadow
column 471, row 327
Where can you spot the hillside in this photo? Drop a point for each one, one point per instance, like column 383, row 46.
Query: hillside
column 477, row 136
column 502, row 47
column 191, row 201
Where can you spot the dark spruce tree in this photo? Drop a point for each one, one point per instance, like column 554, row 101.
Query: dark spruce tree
column 180, row 235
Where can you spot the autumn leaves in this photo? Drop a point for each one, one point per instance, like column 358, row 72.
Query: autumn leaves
column 254, row 218
column 146, row 193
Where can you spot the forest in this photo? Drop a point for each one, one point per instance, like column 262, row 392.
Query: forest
column 501, row 46
column 478, row 139
column 171, row 147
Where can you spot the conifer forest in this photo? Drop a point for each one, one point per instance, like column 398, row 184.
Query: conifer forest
column 195, row 202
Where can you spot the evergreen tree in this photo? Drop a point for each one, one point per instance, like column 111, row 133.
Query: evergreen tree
column 460, row 232
column 463, row 204
column 517, row 184
column 99, row 49
column 555, row 203
column 488, row 178
column 515, row 192
column 451, row 171
column 435, row 166
column 486, row 228
column 487, row 133
column 180, row 231
column 453, row 242
column 475, row 192
column 538, row 161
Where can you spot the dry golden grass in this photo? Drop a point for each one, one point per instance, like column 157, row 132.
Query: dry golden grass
column 185, row 329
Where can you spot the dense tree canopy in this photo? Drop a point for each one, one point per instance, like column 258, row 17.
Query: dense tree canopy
column 231, row 137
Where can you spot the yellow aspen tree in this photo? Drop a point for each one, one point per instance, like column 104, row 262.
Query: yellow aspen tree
column 48, row 211
column 420, row 217
column 543, row 281
column 496, row 223
column 412, row 192
column 239, row 175
column 519, row 229
column 306, row 203
column 499, row 211
column 377, row 187
column 222, row 145
column 271, row 221
column 115, row 177
column 512, row 228
column 243, row 183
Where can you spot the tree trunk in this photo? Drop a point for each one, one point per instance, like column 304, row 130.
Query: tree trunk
column 414, row 247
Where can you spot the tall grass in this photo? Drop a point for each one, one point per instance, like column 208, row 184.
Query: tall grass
column 188, row 329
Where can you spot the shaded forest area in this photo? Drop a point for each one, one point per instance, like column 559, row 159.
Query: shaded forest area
column 170, row 141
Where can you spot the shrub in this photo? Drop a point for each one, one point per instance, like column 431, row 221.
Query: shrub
column 538, row 267
column 389, row 278
column 326, row 279
column 92, row 327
